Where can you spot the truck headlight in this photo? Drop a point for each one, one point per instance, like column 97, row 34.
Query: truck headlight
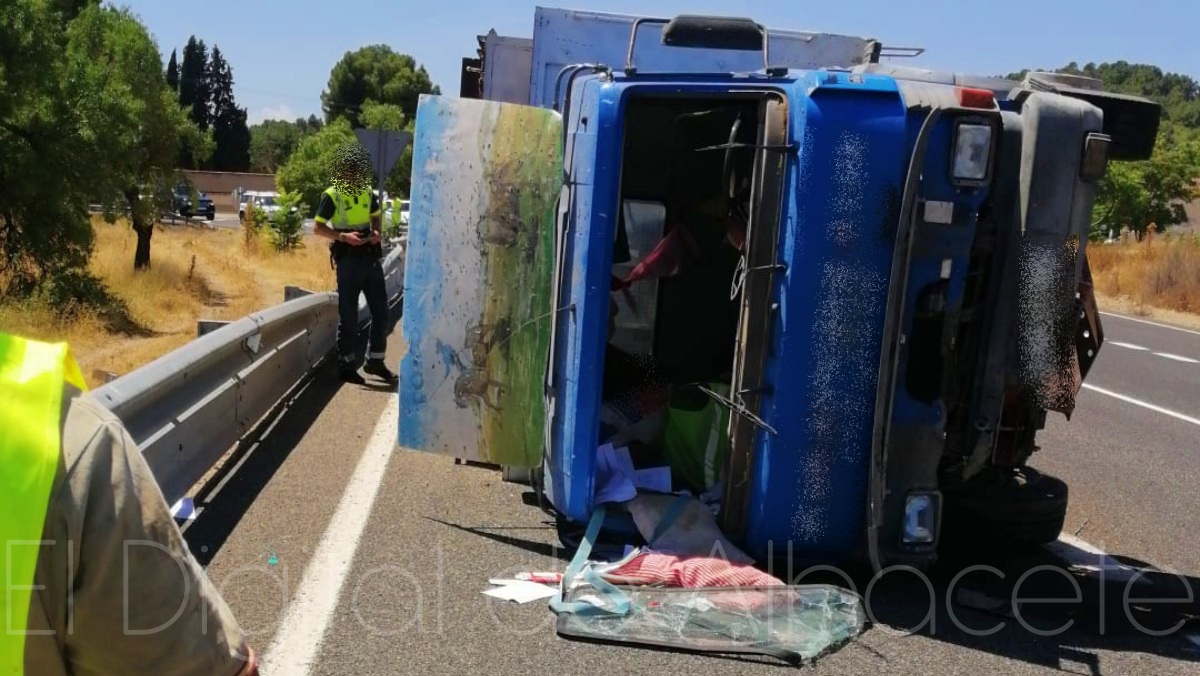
column 972, row 160
column 921, row 511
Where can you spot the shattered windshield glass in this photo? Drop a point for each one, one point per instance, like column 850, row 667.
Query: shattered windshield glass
column 793, row 623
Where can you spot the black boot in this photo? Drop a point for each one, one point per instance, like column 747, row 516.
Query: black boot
column 377, row 368
column 348, row 372
column 349, row 375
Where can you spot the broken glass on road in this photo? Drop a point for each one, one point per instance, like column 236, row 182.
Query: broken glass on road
column 792, row 623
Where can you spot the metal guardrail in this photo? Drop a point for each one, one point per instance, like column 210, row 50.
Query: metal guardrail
column 187, row 408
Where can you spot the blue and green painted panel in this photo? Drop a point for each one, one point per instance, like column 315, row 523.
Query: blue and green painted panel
column 477, row 285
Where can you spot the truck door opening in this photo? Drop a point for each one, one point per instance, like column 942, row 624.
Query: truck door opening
column 680, row 238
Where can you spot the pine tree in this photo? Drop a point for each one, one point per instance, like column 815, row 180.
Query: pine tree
column 230, row 131
column 220, row 82
column 194, row 90
column 173, row 73
column 311, row 125
column 72, row 8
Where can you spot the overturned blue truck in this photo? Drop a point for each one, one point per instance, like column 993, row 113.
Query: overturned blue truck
column 863, row 285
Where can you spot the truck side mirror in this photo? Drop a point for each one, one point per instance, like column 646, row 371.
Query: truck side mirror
column 1130, row 122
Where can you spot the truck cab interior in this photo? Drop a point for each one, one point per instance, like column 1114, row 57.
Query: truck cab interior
column 680, row 238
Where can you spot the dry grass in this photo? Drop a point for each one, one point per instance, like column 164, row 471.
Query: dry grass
column 1162, row 274
column 194, row 274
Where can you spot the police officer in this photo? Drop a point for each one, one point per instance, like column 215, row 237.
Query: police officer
column 350, row 215
column 97, row 578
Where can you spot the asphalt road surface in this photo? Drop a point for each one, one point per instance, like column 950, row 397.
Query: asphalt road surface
column 232, row 222
column 341, row 555
column 1130, row 454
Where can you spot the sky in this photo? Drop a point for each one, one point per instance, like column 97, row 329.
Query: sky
column 281, row 51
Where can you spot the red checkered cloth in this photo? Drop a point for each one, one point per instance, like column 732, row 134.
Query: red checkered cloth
column 666, row 570
column 672, row 571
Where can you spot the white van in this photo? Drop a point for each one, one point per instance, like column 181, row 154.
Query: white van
column 268, row 201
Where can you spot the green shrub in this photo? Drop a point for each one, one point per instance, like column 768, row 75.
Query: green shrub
column 287, row 223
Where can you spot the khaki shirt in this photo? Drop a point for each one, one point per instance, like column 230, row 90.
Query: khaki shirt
column 117, row 590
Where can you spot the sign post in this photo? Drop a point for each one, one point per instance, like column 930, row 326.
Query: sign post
column 385, row 148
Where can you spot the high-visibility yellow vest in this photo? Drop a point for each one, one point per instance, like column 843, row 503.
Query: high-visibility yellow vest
column 33, row 376
column 351, row 212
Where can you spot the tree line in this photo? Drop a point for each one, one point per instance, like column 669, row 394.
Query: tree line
column 86, row 117
column 372, row 87
column 203, row 83
column 90, row 116
column 1136, row 194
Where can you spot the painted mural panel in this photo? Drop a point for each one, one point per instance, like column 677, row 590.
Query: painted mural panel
column 477, row 287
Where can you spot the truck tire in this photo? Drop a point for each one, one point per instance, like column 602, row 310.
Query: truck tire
column 1026, row 510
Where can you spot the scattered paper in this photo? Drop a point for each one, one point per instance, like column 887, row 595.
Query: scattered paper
column 614, row 475
column 618, row 481
column 544, row 578
column 656, row 479
column 520, row 591
column 622, row 461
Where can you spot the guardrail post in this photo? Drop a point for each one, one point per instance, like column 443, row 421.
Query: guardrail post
column 205, row 326
column 294, row 292
column 516, row 475
column 103, row 377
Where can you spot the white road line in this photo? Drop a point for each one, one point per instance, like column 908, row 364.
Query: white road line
column 1146, row 321
column 298, row 641
column 1084, row 556
column 1186, row 360
column 1128, row 346
column 1143, row 404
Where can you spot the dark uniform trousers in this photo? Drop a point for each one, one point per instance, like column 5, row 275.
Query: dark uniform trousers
column 360, row 271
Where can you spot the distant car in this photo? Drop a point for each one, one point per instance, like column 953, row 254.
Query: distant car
column 183, row 203
column 267, row 201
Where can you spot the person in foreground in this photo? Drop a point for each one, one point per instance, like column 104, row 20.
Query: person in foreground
column 98, row 578
column 351, row 217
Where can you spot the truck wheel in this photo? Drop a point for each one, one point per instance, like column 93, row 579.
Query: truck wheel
column 1022, row 510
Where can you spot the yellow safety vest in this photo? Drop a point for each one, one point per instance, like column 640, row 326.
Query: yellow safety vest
column 350, row 212
column 33, row 376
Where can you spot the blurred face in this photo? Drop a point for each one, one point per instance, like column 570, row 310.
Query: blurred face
column 352, row 169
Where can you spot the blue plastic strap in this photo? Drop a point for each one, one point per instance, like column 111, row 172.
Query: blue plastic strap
column 620, row 601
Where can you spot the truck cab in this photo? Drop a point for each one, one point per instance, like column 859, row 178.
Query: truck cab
column 876, row 275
